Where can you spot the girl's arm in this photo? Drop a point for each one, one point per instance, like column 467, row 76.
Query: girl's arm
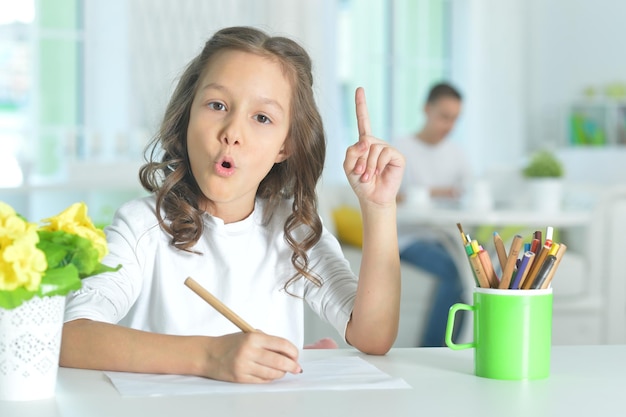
column 374, row 170
column 239, row 357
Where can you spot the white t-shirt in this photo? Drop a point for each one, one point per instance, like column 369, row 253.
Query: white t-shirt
column 433, row 165
column 244, row 264
column 430, row 166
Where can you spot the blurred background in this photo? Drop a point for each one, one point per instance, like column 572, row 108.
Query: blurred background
column 83, row 83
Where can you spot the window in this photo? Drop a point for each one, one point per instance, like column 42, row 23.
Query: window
column 58, row 74
column 16, row 20
column 40, row 87
column 396, row 49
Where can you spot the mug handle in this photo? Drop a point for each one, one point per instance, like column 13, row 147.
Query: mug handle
column 450, row 327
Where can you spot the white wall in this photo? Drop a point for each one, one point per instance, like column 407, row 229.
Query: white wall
column 521, row 63
column 518, row 62
column 489, row 64
column 573, row 44
column 108, row 89
column 132, row 65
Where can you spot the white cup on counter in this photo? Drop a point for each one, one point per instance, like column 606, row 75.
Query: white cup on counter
column 418, row 197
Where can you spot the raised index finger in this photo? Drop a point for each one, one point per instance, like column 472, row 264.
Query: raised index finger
column 362, row 116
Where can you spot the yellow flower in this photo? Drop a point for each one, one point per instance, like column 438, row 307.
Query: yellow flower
column 22, row 264
column 74, row 220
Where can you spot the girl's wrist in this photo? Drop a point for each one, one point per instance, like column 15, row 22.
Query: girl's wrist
column 196, row 355
column 379, row 213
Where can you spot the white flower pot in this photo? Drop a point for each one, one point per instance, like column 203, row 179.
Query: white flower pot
column 30, row 342
column 546, row 194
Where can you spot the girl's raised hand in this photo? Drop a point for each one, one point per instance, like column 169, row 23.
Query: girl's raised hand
column 373, row 167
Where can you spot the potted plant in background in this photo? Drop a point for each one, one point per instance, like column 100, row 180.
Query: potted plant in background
column 544, row 174
column 39, row 266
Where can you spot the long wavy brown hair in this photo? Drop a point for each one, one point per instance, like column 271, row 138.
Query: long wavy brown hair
column 167, row 171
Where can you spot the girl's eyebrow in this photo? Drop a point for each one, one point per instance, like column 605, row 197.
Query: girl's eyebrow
column 264, row 100
column 215, row 86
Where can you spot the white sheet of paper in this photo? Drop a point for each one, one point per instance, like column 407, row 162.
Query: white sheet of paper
column 339, row 373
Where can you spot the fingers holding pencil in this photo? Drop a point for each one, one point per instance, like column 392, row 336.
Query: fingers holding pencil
column 251, row 356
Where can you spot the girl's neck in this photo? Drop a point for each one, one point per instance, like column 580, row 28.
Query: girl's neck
column 229, row 213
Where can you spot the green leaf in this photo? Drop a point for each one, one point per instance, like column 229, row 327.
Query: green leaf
column 543, row 164
column 100, row 268
column 14, row 298
column 59, row 281
column 70, row 258
column 62, row 248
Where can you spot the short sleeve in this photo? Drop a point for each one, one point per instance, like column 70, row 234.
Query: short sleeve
column 109, row 296
column 333, row 301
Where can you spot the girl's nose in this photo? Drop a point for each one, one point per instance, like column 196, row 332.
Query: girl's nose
column 231, row 134
column 229, row 139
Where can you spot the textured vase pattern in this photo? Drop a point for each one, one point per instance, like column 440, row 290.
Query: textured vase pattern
column 30, row 340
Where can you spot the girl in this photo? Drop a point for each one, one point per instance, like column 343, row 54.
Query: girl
column 232, row 174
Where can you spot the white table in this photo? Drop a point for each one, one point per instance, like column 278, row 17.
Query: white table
column 584, row 380
column 436, row 216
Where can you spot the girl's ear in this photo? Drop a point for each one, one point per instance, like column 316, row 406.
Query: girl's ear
column 283, row 154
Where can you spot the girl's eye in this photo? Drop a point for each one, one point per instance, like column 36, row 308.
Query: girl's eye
column 261, row 118
column 217, row 106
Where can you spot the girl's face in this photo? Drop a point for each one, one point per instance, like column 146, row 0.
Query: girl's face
column 238, row 125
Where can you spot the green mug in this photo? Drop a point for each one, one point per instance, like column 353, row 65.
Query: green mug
column 512, row 333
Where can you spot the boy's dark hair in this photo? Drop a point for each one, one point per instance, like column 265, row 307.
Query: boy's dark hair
column 167, row 172
column 441, row 90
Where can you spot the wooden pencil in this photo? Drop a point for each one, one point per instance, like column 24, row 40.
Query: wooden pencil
column 539, row 259
column 509, row 267
column 500, row 249
column 559, row 255
column 479, row 271
column 463, row 237
column 485, row 260
column 218, row 305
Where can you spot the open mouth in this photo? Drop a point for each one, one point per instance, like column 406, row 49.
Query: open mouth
column 225, row 166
